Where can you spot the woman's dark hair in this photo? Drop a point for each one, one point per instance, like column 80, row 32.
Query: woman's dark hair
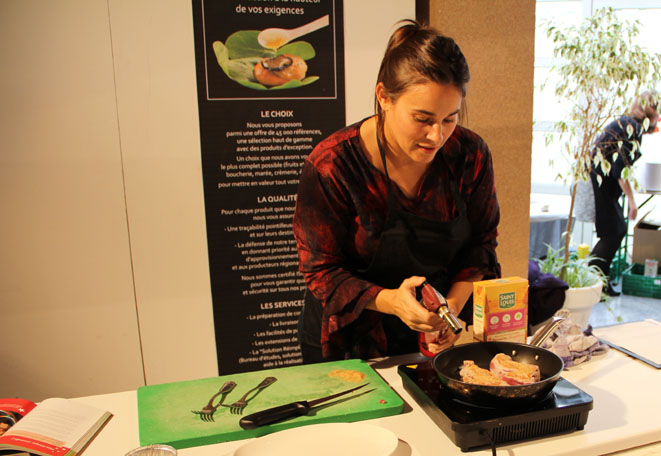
column 645, row 106
column 416, row 54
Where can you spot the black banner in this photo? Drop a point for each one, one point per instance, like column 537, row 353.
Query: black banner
column 264, row 103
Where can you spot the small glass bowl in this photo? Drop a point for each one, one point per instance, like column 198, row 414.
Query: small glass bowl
column 153, row 450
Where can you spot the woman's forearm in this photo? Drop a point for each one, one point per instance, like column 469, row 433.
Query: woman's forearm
column 626, row 188
column 459, row 293
column 382, row 302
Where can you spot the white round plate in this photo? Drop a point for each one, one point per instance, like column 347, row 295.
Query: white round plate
column 329, row 439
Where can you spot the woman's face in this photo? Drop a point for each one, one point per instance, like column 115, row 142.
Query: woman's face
column 421, row 119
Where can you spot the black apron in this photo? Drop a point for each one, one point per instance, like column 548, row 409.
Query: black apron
column 409, row 245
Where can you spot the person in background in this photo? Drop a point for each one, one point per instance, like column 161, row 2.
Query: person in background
column 399, row 197
column 616, row 144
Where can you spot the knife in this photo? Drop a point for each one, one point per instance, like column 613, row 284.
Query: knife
column 281, row 412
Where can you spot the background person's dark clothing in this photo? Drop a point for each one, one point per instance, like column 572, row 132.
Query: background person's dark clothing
column 610, row 223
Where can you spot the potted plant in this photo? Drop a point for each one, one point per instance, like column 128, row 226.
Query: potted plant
column 600, row 71
column 585, row 281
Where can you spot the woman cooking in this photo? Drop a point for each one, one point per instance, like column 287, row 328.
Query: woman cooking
column 397, row 198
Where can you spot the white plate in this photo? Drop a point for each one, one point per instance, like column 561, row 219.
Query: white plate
column 329, row 439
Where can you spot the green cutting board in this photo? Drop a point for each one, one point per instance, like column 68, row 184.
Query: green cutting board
column 165, row 411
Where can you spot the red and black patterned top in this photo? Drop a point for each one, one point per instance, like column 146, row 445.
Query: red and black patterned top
column 342, row 205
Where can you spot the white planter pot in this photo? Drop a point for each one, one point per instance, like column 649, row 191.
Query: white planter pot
column 580, row 301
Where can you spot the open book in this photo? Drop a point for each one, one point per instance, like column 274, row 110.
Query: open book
column 54, row 427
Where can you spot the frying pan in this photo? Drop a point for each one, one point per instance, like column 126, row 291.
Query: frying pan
column 448, row 363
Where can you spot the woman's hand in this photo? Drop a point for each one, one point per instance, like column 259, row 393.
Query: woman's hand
column 401, row 302
column 445, row 339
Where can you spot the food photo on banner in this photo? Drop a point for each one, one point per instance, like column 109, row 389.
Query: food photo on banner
column 270, row 79
column 267, row 47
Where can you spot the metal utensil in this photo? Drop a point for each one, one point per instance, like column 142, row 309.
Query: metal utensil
column 435, row 302
column 292, row 409
column 547, row 330
column 237, row 407
column 153, row 450
column 206, row 414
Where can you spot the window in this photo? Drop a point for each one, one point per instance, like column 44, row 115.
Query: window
column 547, row 110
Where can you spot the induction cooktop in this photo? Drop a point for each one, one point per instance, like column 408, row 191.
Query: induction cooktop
column 473, row 427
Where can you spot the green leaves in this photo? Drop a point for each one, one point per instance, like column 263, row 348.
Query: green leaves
column 629, row 130
column 626, row 174
column 600, row 70
column 221, row 55
column 577, row 272
column 244, row 44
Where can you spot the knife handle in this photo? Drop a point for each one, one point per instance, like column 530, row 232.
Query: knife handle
column 274, row 414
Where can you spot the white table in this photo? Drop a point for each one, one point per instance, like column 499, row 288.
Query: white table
column 625, row 415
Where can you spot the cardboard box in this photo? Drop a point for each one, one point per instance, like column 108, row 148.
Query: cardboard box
column 646, row 241
column 500, row 310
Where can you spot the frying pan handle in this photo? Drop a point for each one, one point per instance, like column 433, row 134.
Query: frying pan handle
column 546, row 331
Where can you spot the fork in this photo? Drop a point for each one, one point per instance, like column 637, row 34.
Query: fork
column 206, row 414
column 237, row 407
